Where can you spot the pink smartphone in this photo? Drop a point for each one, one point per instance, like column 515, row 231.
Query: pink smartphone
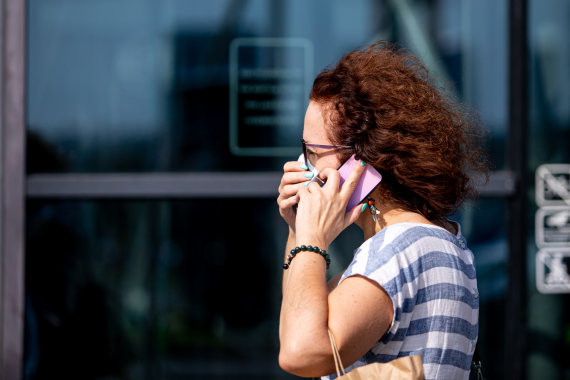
column 368, row 181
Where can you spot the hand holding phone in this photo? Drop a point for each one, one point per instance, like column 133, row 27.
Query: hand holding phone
column 369, row 179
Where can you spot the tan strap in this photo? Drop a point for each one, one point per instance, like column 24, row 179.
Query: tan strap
column 336, row 355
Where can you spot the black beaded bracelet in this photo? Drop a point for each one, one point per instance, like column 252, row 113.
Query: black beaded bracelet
column 315, row 249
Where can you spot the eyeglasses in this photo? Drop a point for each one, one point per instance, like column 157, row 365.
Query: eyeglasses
column 311, row 156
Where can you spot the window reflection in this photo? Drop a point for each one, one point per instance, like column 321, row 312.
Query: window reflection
column 153, row 289
column 190, row 289
column 549, row 142
column 152, row 92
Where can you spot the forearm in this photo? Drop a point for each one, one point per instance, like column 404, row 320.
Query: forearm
column 303, row 329
column 304, row 321
column 288, row 247
column 331, row 284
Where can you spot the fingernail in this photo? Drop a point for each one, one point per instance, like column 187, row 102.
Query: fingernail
column 306, row 183
column 309, row 175
column 362, row 163
column 363, row 207
column 304, row 167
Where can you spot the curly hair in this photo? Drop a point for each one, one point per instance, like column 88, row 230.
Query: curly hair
column 382, row 103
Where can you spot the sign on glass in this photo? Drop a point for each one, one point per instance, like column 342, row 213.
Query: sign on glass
column 552, row 228
column 270, row 80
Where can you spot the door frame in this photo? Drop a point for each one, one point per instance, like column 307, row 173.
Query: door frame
column 511, row 184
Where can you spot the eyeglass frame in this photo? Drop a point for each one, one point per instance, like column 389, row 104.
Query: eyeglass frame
column 305, row 144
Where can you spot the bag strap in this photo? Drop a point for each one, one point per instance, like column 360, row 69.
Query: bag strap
column 336, row 355
column 475, row 372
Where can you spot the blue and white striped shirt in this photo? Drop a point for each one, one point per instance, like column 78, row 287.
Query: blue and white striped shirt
column 429, row 274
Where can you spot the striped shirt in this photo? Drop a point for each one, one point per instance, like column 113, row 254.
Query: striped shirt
column 429, row 274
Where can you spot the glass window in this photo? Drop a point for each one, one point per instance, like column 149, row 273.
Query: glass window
column 484, row 226
column 223, row 85
column 166, row 289
column 138, row 290
column 549, row 143
column 191, row 289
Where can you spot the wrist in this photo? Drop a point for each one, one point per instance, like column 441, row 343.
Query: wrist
column 291, row 234
column 311, row 240
column 307, row 248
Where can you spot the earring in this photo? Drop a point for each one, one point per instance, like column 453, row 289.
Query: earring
column 373, row 210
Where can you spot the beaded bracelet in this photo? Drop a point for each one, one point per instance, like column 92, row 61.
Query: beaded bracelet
column 315, row 249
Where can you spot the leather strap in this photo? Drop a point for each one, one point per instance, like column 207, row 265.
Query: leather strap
column 336, row 355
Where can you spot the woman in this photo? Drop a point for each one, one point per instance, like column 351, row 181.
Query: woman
column 411, row 287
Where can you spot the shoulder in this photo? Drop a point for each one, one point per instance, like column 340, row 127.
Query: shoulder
column 401, row 252
column 409, row 240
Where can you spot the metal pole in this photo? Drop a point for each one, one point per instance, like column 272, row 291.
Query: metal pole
column 12, row 193
column 516, row 299
column 190, row 185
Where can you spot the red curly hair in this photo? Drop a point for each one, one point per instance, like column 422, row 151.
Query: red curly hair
column 423, row 142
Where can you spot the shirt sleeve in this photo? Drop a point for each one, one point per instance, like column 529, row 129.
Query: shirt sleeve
column 388, row 265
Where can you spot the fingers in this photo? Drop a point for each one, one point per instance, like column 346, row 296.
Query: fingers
column 352, row 181
column 313, row 187
column 296, row 177
column 295, row 172
column 289, row 191
column 290, row 182
column 332, row 178
column 294, row 166
column 351, row 216
column 293, row 176
column 288, row 202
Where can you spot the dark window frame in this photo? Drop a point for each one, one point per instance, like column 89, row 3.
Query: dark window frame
column 516, row 300
column 13, row 17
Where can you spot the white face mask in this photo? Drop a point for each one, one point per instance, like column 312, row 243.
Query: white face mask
column 313, row 170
